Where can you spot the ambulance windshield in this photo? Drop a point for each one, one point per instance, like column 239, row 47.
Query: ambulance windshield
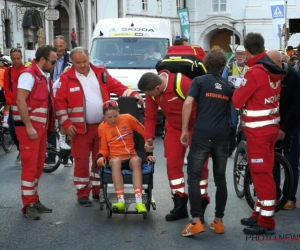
column 128, row 53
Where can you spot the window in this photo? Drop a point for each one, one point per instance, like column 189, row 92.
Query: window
column 144, row 5
column 7, row 33
column 159, row 6
column 180, row 4
column 219, row 5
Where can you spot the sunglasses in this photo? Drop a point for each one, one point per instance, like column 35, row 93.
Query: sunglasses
column 53, row 62
column 60, row 36
column 110, row 104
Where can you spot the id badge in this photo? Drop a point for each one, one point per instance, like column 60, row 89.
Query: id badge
column 238, row 82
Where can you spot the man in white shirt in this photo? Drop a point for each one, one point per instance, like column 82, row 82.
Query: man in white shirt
column 152, row 54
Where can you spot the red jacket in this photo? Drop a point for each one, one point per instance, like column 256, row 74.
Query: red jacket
column 259, row 97
column 70, row 104
column 11, row 82
column 170, row 104
column 40, row 109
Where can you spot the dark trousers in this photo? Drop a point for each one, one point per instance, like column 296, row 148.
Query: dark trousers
column 234, row 114
column 74, row 44
column 198, row 154
column 290, row 149
column 12, row 130
column 51, row 140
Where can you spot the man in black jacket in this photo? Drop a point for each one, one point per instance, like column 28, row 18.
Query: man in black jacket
column 288, row 138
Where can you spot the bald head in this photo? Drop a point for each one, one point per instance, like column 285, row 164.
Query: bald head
column 60, row 45
column 275, row 57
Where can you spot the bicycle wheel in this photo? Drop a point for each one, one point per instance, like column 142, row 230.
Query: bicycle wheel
column 240, row 165
column 284, row 187
column 49, row 168
column 7, row 141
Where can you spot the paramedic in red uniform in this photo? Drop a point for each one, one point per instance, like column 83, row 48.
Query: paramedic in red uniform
column 160, row 92
column 258, row 97
column 79, row 99
column 34, row 115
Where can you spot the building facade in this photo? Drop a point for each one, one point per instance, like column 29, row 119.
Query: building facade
column 212, row 22
column 24, row 23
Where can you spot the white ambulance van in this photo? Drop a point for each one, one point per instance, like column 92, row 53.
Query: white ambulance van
column 130, row 47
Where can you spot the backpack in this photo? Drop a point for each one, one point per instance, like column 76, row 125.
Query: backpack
column 185, row 59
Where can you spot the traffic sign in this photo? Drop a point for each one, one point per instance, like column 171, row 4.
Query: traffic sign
column 51, row 14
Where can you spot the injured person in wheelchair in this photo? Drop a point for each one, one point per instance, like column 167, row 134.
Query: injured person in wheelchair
column 117, row 151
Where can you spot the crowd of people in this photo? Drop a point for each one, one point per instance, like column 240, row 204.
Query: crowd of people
column 206, row 120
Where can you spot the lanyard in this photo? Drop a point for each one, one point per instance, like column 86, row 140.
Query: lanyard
column 241, row 73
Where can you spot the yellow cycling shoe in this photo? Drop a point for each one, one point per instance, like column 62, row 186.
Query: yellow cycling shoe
column 119, row 206
column 141, row 208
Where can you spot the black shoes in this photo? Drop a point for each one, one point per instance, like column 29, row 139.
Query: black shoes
column 31, row 212
column 249, row 221
column 85, row 202
column 180, row 209
column 256, row 230
column 96, row 197
column 42, row 208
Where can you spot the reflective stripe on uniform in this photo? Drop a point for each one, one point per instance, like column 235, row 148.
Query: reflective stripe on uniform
column 77, row 119
column 80, row 186
column 176, row 181
column 40, row 110
column 127, row 92
column 203, row 190
column 260, row 123
column 256, row 208
column 28, row 183
column 28, row 192
column 38, row 119
column 95, row 175
column 257, row 113
column 14, row 108
column 203, row 182
column 96, row 183
column 266, row 212
column 61, row 112
column 177, row 86
column 268, row 203
column 175, row 190
column 17, row 117
column 81, row 179
column 75, row 110
column 63, row 119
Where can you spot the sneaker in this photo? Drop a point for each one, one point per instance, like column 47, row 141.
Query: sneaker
column 218, row 227
column 85, row 202
column 4, row 124
column 42, row 208
column 31, row 212
column 118, row 206
column 256, row 229
column 289, row 205
column 68, row 163
column 64, row 145
column 191, row 229
column 249, row 221
column 141, row 208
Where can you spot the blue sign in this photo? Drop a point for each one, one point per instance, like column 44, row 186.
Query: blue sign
column 177, row 37
column 277, row 11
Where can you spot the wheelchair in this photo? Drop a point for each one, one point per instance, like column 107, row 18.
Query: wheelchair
column 129, row 105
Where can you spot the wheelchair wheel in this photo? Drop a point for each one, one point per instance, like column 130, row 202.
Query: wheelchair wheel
column 283, row 188
column 240, row 165
column 49, row 168
column 6, row 139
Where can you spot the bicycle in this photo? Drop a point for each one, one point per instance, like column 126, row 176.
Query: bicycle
column 5, row 139
column 241, row 169
column 60, row 155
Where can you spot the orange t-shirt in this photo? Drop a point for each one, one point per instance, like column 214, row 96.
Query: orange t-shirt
column 2, row 77
column 117, row 140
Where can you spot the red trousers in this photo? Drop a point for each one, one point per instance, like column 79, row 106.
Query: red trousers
column 82, row 146
column 261, row 162
column 33, row 154
column 175, row 153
